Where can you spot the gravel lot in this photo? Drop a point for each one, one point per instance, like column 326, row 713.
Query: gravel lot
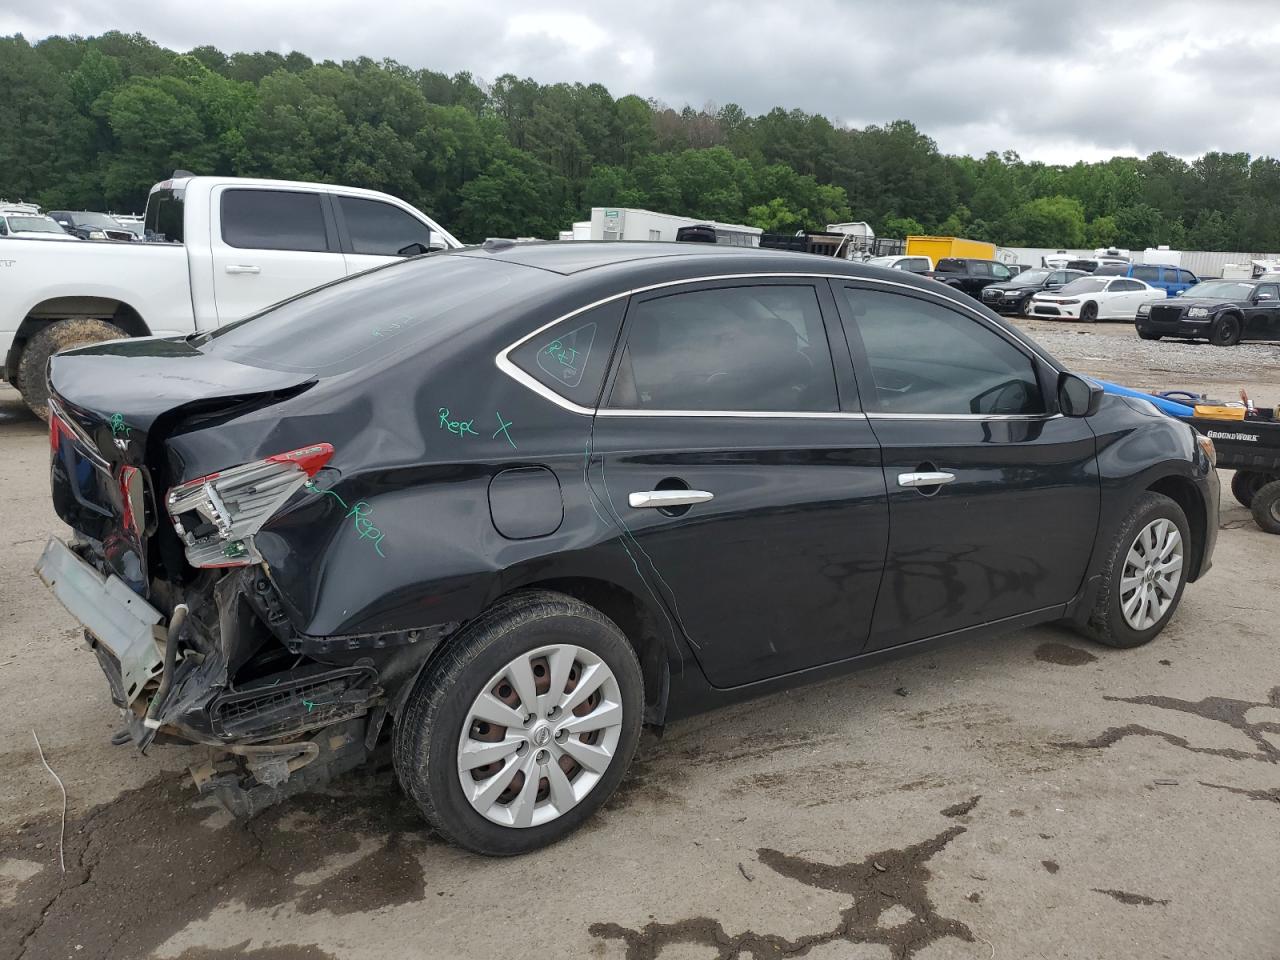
column 1030, row 797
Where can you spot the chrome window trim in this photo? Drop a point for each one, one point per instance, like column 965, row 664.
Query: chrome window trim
column 964, row 416
column 503, row 362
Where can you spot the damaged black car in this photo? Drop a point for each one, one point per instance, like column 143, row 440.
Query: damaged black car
column 504, row 506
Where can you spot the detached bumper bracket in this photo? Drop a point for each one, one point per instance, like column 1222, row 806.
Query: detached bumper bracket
column 116, row 616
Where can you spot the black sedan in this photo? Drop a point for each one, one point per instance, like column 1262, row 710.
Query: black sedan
column 509, row 504
column 1014, row 296
column 1224, row 312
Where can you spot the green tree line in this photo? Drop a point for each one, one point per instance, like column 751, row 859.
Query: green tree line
column 94, row 122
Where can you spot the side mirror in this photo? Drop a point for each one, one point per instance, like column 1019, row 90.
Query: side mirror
column 1264, row 296
column 1078, row 397
column 413, row 250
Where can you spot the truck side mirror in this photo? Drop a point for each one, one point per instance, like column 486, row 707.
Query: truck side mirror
column 1078, row 397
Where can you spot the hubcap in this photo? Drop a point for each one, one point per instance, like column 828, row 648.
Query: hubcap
column 1152, row 572
column 540, row 735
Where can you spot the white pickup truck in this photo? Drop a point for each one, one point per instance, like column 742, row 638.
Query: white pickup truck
column 221, row 249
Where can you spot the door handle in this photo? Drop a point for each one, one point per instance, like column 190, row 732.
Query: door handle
column 926, row 479
column 667, row 498
column 243, row 268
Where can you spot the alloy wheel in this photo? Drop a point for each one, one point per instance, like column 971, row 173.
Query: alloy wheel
column 1152, row 572
column 540, row 735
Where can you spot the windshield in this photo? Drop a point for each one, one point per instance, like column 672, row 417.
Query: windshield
column 392, row 310
column 85, row 219
column 1032, row 276
column 1221, row 290
column 1084, row 285
column 34, row 225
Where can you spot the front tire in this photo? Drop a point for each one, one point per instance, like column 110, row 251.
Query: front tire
column 1145, row 573
column 1226, row 332
column 523, row 727
column 33, row 369
column 1089, row 313
column 1266, row 507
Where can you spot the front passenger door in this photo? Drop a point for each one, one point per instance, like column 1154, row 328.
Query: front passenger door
column 993, row 497
column 375, row 232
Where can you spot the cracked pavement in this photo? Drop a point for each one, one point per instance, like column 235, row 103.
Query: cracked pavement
column 1127, row 802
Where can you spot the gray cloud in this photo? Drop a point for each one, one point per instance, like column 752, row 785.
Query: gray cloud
column 1057, row 82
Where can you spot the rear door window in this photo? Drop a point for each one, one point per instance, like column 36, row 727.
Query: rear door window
column 274, row 220
column 381, row 229
column 759, row 348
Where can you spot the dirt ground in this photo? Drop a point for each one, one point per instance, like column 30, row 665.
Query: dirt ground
column 1031, row 797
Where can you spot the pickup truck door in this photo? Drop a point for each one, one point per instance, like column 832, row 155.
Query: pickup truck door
column 269, row 244
column 374, row 232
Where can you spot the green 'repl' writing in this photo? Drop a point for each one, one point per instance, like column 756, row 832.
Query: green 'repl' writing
column 459, row 428
column 358, row 514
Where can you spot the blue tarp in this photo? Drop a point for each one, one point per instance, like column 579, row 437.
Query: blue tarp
column 1172, row 407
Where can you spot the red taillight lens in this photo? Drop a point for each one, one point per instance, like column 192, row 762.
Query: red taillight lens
column 216, row 516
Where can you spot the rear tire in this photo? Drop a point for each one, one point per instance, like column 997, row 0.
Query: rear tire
column 1266, row 507
column 1089, row 313
column 524, row 635
column 1246, row 484
column 1145, row 573
column 33, row 369
column 1226, row 332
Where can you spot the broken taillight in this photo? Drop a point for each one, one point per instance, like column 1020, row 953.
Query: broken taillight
column 217, row 516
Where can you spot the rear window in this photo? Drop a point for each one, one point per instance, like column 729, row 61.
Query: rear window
column 273, row 220
column 393, row 310
column 1149, row 274
column 163, row 220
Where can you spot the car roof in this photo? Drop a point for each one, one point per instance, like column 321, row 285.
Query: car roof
column 568, row 257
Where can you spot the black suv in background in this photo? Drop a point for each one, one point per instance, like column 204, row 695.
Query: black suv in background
column 91, row 226
column 1224, row 312
column 1014, row 295
column 969, row 276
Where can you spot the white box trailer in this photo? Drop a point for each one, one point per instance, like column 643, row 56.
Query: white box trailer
column 622, row 223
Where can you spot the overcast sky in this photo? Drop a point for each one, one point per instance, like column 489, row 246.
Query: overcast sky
column 1057, row 81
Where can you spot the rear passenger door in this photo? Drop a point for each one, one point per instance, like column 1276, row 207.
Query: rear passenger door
column 375, row 232
column 268, row 245
column 993, row 496
column 728, row 397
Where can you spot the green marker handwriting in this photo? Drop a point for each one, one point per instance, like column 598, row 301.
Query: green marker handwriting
column 566, row 355
column 358, row 514
column 459, row 428
column 502, row 429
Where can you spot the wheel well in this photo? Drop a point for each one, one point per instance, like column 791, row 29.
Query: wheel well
column 50, row 311
column 1183, row 492
column 637, row 623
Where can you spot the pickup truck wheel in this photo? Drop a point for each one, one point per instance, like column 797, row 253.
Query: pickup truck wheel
column 1226, row 332
column 33, row 369
column 1089, row 313
column 523, row 727
column 1145, row 572
column 1266, row 507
